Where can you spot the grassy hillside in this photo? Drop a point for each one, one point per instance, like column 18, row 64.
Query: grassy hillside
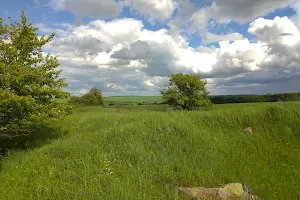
column 128, row 154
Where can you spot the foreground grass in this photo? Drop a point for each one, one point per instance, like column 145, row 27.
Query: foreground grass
column 129, row 154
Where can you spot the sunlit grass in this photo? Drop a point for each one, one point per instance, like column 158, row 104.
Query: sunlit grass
column 126, row 153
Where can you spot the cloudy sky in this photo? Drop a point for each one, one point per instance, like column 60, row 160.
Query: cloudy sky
column 130, row 47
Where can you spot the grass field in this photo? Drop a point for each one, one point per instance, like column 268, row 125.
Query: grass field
column 144, row 152
column 131, row 99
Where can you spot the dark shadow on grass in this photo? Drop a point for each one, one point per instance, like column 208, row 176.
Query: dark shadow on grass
column 40, row 134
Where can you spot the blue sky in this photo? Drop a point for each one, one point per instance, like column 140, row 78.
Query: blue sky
column 130, row 47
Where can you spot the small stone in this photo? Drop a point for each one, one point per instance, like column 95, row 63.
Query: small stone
column 249, row 130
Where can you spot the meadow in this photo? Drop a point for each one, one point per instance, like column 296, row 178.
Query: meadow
column 131, row 99
column 145, row 152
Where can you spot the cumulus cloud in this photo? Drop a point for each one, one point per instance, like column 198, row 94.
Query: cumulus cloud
column 282, row 38
column 85, row 45
column 96, row 37
column 296, row 18
column 153, row 10
column 121, row 57
column 90, row 8
column 244, row 10
column 138, row 50
column 278, row 30
column 210, row 37
column 165, row 54
column 191, row 18
column 237, row 57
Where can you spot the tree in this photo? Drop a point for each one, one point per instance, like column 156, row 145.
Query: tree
column 29, row 81
column 186, row 92
column 93, row 98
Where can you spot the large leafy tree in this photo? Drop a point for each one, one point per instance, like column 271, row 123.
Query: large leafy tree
column 93, row 98
column 29, row 79
column 186, row 92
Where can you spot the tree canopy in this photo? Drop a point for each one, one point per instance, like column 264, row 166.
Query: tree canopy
column 29, row 79
column 186, row 92
column 93, row 98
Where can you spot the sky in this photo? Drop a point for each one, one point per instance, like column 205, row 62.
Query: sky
column 131, row 47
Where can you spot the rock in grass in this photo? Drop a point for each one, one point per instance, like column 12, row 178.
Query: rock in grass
column 248, row 130
column 232, row 191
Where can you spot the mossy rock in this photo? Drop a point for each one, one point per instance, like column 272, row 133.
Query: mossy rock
column 232, row 191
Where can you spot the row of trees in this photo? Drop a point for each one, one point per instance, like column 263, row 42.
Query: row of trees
column 255, row 98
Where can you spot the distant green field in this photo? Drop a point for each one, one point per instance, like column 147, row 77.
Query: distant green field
column 131, row 99
column 145, row 152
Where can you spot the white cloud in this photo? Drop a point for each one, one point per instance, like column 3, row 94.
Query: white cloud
column 282, row 38
column 148, row 82
column 157, row 82
column 137, row 60
column 56, row 4
column 210, row 37
column 153, row 10
column 238, row 57
column 113, row 32
column 97, row 37
column 296, row 18
column 137, row 50
column 279, row 30
column 48, row 30
column 91, row 8
column 191, row 18
column 84, row 91
column 244, row 10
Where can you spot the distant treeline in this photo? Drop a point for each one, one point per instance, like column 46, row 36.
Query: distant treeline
column 255, row 98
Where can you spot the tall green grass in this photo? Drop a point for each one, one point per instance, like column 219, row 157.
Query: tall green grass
column 132, row 99
column 117, row 154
